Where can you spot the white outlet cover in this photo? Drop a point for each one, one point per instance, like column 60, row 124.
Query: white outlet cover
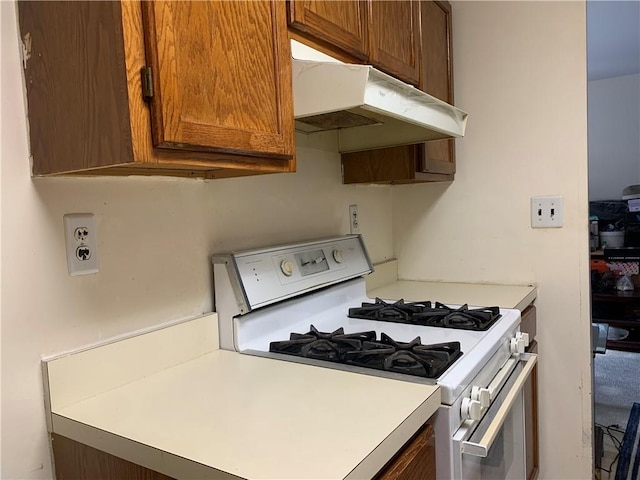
column 354, row 220
column 81, row 241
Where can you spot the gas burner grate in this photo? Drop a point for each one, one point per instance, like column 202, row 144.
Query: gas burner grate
column 428, row 314
column 365, row 350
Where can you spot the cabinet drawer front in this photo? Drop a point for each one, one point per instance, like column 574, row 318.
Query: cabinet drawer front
column 221, row 76
column 342, row 24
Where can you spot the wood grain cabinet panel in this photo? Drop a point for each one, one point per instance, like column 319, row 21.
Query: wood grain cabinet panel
column 75, row 461
column 416, row 460
column 221, row 103
column 394, row 38
column 437, row 79
column 342, row 24
column 392, row 165
column 431, row 161
column 220, row 83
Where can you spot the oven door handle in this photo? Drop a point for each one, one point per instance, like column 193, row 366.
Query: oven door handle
column 482, row 447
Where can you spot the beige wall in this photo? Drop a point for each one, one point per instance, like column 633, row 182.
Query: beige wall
column 155, row 237
column 520, row 71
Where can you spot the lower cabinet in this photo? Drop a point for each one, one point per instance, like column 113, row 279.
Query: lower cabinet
column 75, row 461
column 532, row 460
column 416, row 460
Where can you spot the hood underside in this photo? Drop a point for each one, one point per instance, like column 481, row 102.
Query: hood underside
column 369, row 108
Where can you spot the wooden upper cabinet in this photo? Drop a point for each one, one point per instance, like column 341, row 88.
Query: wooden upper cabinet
column 432, row 161
column 394, row 38
column 437, row 79
column 342, row 24
column 221, row 77
column 221, row 103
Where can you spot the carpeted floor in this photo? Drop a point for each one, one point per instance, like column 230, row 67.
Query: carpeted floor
column 616, row 386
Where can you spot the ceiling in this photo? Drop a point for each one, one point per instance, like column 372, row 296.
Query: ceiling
column 613, row 38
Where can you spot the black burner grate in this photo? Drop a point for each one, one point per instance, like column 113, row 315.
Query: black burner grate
column 427, row 314
column 363, row 349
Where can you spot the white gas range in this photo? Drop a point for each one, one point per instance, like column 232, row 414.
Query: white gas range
column 307, row 302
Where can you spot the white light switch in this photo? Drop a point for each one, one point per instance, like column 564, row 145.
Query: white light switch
column 547, row 211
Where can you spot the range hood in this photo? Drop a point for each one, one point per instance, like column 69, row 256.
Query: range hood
column 369, row 108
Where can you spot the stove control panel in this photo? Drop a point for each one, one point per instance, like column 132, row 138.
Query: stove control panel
column 266, row 276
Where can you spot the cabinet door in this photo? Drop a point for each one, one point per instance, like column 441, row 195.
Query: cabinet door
column 342, row 24
column 383, row 165
column 437, row 79
column 394, row 36
column 221, row 77
column 416, row 460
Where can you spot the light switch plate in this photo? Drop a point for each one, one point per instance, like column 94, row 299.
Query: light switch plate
column 547, row 211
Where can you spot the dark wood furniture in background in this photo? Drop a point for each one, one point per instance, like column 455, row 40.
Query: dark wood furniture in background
column 619, row 309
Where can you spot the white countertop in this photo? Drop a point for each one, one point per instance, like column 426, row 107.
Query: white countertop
column 222, row 411
column 384, row 283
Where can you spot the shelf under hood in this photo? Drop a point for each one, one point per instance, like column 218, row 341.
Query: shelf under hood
column 369, row 108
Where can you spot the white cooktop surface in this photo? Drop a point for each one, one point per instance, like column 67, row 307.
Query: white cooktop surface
column 327, row 311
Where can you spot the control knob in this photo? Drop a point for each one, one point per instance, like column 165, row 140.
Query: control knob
column 482, row 395
column 523, row 336
column 517, row 346
column 286, row 266
column 338, row 256
column 471, row 409
column 519, row 343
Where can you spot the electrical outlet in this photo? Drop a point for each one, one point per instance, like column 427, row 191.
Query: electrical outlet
column 354, row 220
column 81, row 241
column 547, row 212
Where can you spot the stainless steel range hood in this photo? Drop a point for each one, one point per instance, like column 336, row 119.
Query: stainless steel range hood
column 369, row 108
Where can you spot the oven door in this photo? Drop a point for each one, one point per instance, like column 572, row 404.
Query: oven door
column 495, row 447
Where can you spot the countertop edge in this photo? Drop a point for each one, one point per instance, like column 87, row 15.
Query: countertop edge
column 135, row 452
column 478, row 294
column 379, row 457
